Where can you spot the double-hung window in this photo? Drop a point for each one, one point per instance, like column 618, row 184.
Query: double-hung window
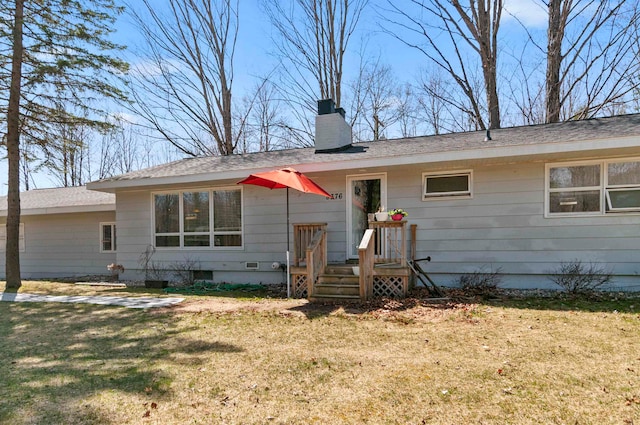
column 593, row 188
column 200, row 218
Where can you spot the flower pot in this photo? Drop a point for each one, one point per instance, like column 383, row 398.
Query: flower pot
column 356, row 270
column 382, row 216
column 397, row 217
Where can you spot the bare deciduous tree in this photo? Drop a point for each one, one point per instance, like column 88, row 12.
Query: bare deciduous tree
column 184, row 89
column 68, row 159
column 125, row 148
column 266, row 128
column 440, row 106
column 472, row 27
column 119, row 151
column 591, row 52
column 407, row 116
column 375, row 96
column 313, row 37
column 265, row 118
column 381, row 92
column 526, row 90
column 312, row 40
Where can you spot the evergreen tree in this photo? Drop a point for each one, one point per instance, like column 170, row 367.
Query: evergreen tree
column 52, row 53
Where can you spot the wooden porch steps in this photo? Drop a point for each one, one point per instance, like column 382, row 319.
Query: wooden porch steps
column 381, row 253
column 337, row 284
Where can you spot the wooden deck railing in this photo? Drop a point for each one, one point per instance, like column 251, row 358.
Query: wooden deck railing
column 303, row 234
column 382, row 255
column 316, row 258
column 390, row 242
column 366, row 258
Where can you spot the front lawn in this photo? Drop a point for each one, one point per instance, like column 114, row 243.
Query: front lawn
column 261, row 361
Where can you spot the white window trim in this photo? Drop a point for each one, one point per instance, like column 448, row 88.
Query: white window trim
column 447, row 195
column 211, row 232
column 113, row 237
column 603, row 188
column 22, row 246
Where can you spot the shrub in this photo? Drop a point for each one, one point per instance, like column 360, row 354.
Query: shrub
column 577, row 278
column 152, row 270
column 184, row 271
column 481, row 282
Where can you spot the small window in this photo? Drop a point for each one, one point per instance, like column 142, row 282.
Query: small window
column 623, row 199
column 623, row 186
column 107, row 237
column 446, row 185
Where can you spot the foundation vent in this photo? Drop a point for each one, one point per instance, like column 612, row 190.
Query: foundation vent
column 252, row 265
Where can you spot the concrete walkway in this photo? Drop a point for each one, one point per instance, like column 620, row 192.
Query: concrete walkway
column 129, row 302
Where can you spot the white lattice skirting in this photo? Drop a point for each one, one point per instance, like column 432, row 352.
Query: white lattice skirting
column 388, row 286
column 383, row 286
column 299, row 286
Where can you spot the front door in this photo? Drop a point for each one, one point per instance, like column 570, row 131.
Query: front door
column 366, row 193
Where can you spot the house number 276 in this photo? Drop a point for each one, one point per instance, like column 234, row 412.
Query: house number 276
column 335, row 196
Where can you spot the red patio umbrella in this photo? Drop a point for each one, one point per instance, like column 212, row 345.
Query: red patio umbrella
column 286, row 178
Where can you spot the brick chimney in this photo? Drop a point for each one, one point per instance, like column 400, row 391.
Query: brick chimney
column 333, row 133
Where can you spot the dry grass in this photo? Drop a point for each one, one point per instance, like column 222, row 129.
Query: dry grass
column 521, row 362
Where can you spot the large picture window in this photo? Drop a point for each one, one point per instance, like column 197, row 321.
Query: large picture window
column 593, row 187
column 192, row 219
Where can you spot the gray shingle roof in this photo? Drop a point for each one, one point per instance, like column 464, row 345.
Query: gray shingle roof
column 67, row 198
column 544, row 134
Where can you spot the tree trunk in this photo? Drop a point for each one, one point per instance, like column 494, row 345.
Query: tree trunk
column 555, row 34
column 13, row 155
column 487, row 30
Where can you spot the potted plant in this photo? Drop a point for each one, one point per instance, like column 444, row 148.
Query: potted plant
column 381, row 215
column 397, row 214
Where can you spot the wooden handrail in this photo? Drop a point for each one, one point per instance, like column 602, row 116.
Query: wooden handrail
column 303, row 234
column 391, row 242
column 316, row 258
column 366, row 257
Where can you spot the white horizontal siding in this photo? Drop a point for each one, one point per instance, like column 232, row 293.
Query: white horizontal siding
column 63, row 245
column 265, row 226
column 502, row 225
